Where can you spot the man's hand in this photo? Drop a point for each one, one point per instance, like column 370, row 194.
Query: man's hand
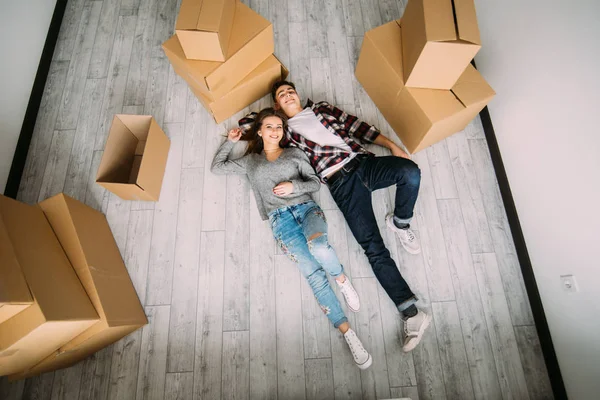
column 398, row 152
column 283, row 189
column 234, row 135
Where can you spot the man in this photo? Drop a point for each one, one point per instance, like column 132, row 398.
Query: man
column 327, row 135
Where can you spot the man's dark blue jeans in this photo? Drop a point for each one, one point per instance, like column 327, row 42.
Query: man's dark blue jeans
column 352, row 193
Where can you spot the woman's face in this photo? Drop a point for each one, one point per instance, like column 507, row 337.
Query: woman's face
column 271, row 130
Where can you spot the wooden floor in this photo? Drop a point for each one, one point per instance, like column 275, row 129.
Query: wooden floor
column 230, row 316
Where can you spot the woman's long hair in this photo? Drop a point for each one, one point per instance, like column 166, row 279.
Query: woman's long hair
column 255, row 142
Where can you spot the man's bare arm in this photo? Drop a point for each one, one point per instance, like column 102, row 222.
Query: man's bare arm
column 381, row 140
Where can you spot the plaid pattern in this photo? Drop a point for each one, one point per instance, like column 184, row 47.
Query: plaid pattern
column 344, row 125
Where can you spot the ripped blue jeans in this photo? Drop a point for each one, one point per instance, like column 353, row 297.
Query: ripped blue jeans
column 292, row 227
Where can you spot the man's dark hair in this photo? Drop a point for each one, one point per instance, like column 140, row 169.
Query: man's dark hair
column 279, row 84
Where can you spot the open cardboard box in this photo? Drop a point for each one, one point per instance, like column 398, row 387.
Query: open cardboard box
column 14, row 292
column 251, row 43
column 204, row 28
column 254, row 86
column 62, row 309
column 89, row 244
column 439, row 40
column 420, row 117
column 135, row 158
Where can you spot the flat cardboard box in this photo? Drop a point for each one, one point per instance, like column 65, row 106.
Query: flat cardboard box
column 90, row 246
column 204, row 28
column 256, row 85
column 14, row 292
column 420, row 117
column 250, row 44
column 62, row 309
column 135, row 157
column 440, row 38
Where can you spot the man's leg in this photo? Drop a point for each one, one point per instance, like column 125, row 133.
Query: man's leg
column 381, row 172
column 354, row 200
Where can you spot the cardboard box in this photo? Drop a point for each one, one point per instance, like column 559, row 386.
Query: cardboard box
column 250, row 44
column 62, row 309
column 14, row 292
column 420, row 117
column 204, row 28
column 440, row 38
column 89, row 244
column 135, row 157
column 256, row 85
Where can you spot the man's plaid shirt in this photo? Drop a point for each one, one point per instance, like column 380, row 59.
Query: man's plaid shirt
column 346, row 126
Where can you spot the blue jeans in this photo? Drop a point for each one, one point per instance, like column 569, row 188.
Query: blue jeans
column 352, row 193
column 292, row 227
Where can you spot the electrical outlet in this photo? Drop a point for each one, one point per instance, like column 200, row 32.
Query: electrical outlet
column 568, row 283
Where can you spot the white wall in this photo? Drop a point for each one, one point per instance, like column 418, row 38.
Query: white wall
column 543, row 59
column 23, row 29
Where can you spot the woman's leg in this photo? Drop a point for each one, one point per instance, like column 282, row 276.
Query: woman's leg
column 314, row 226
column 290, row 238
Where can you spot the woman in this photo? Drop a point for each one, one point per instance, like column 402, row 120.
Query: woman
column 282, row 180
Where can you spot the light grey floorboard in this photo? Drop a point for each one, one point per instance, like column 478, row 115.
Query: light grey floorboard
column 164, row 232
column 290, row 349
column 103, row 44
column 319, row 379
column 135, row 90
column 375, row 382
column 195, row 132
column 153, row 354
column 124, row 368
column 82, row 151
column 263, row 328
column 353, row 18
column 39, row 148
column 452, row 351
column 407, row 392
column 236, row 293
column 38, row 387
column 67, row 383
column 11, row 391
column 502, row 335
column 78, row 67
column 236, row 364
column 317, row 28
column 95, row 377
column 179, row 386
column 534, row 366
column 314, row 324
column 469, row 194
column 56, row 168
column 184, row 298
column 431, row 236
column 441, row 171
column 470, row 308
column 209, row 319
column 215, row 189
column 512, row 279
column 68, row 30
column 118, row 70
column 137, row 253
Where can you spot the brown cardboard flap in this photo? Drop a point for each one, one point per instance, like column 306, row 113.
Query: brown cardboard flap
column 466, row 19
column 138, row 125
column 118, row 154
column 14, row 329
column 13, row 287
column 48, row 272
column 189, row 12
column 437, row 104
column 471, row 88
column 210, row 15
column 154, row 162
column 439, row 19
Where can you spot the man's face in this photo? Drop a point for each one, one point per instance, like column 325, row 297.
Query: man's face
column 287, row 100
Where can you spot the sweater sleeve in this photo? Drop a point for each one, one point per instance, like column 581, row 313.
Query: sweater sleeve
column 222, row 165
column 309, row 181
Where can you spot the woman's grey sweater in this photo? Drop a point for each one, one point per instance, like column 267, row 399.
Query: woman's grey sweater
column 292, row 165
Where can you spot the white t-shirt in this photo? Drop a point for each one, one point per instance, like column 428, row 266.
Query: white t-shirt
column 306, row 124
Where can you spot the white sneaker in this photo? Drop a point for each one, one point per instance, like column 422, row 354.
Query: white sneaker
column 414, row 328
column 362, row 359
column 407, row 236
column 350, row 294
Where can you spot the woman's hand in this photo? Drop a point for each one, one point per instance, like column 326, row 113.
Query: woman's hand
column 283, row 189
column 234, row 135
